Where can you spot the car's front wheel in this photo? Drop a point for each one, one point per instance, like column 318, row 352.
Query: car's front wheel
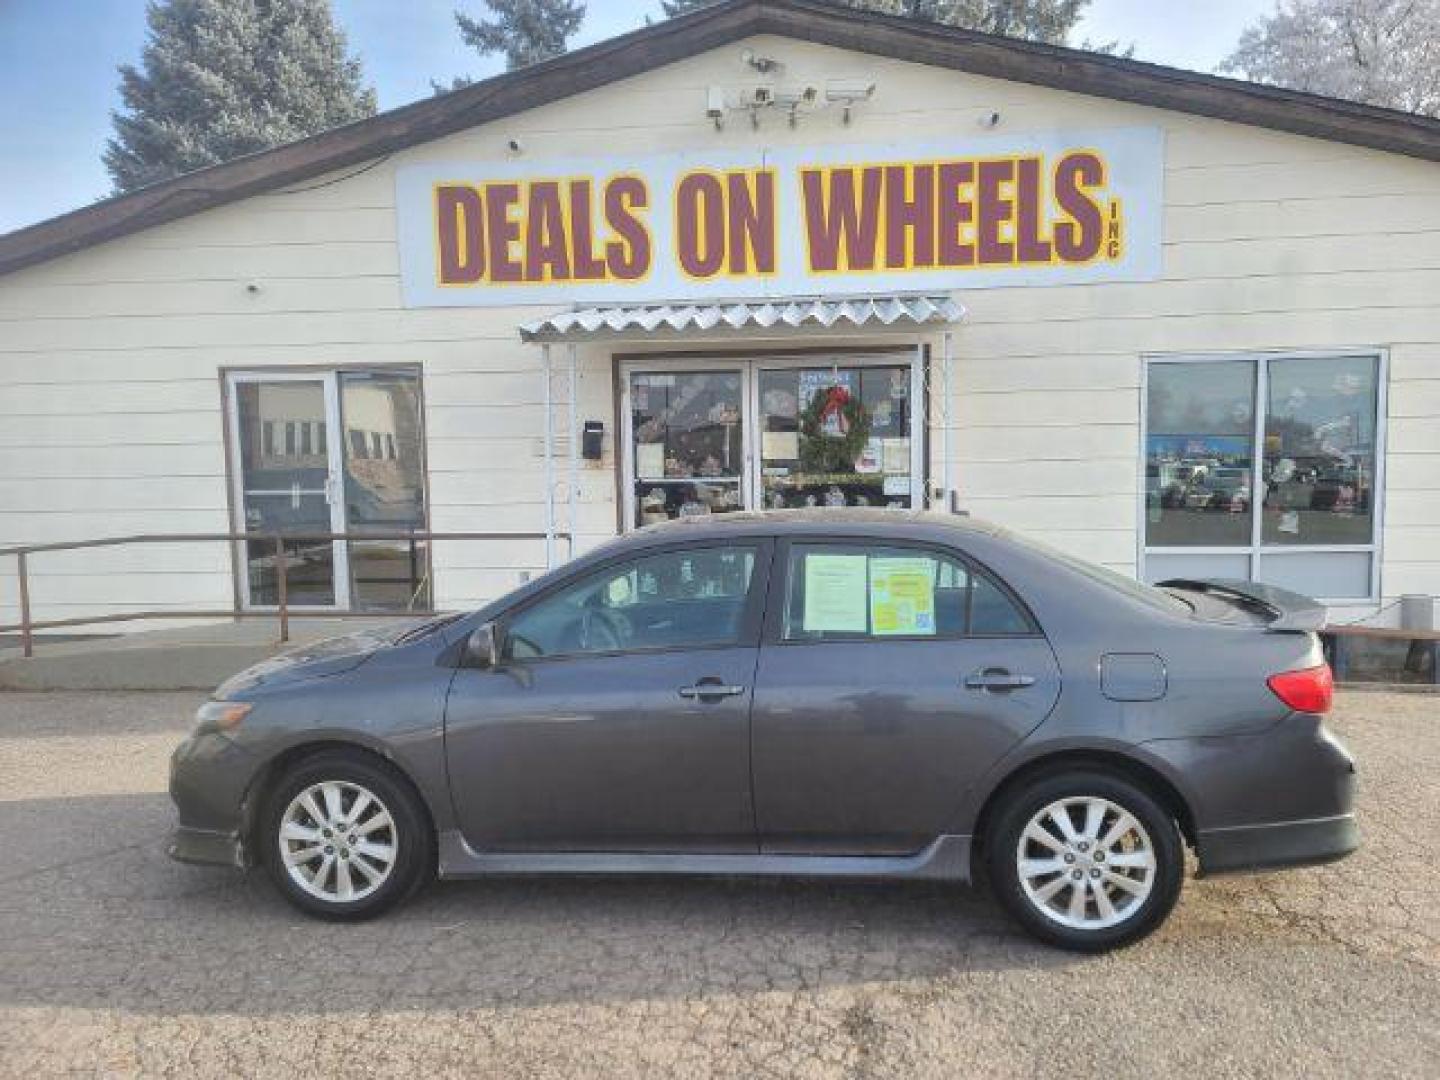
column 345, row 838
column 1085, row 859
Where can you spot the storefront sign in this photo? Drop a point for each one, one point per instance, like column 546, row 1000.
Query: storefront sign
column 1058, row 208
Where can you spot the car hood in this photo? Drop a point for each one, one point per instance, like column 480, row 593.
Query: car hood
column 319, row 659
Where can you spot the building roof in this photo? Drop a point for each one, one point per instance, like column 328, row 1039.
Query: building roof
column 708, row 28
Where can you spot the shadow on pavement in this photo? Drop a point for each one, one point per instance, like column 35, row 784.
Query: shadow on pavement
column 97, row 915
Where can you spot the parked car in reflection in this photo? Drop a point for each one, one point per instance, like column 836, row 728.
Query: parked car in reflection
column 1229, row 489
column 843, row 693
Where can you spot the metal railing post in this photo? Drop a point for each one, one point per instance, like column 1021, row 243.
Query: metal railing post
column 282, row 587
column 414, row 568
column 27, row 644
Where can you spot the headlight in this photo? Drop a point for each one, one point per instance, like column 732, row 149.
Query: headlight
column 220, row 716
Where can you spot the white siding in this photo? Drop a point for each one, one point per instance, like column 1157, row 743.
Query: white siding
column 110, row 359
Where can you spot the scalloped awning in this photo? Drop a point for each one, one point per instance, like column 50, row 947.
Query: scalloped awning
column 640, row 320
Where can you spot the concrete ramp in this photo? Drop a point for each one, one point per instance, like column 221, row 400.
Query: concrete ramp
column 189, row 658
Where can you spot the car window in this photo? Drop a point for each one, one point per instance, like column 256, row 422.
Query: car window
column 1111, row 579
column 673, row 599
column 845, row 592
column 993, row 613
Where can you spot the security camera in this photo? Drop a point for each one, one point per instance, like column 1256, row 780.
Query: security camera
column 990, row 120
column 790, row 98
column 715, row 106
column 514, row 145
column 764, row 64
column 848, row 93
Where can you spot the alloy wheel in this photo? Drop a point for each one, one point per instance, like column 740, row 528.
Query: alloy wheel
column 338, row 841
column 1086, row 863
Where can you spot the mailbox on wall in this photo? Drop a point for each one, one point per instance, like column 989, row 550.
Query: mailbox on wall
column 592, row 440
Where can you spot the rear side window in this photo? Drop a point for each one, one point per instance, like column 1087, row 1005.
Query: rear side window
column 860, row 592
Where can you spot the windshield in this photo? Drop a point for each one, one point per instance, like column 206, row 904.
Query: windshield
column 428, row 627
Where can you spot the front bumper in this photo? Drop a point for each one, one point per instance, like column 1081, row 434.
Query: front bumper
column 207, row 847
column 1287, row 843
column 210, row 776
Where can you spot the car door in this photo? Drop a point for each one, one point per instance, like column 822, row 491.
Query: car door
column 618, row 718
column 891, row 677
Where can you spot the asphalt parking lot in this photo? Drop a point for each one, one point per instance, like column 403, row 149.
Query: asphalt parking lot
column 114, row 960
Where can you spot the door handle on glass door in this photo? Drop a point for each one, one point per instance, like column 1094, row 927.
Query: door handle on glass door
column 997, row 679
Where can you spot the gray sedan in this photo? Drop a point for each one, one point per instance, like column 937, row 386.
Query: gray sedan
column 847, row 693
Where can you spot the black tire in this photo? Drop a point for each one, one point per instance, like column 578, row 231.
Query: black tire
column 1002, row 841
column 410, row 831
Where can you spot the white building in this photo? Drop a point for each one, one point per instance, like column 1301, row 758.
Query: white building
column 1175, row 324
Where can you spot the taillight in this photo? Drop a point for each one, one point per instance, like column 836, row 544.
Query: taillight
column 1311, row 690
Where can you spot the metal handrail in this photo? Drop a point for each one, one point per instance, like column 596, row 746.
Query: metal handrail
column 27, row 625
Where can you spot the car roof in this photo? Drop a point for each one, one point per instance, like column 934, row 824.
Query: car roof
column 847, row 521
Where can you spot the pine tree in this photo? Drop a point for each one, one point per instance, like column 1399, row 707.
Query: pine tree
column 1033, row 20
column 223, row 78
column 526, row 31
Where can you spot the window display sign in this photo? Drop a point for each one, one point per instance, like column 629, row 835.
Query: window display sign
column 1043, row 208
column 835, row 594
column 902, row 596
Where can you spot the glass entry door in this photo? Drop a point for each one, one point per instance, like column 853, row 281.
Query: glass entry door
column 687, row 443
column 842, row 435
column 330, row 452
column 712, row 437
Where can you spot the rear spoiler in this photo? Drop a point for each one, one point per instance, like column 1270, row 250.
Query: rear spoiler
column 1292, row 611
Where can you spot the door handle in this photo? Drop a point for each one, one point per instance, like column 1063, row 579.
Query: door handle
column 704, row 690
column 997, row 679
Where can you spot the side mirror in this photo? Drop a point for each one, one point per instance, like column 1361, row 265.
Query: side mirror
column 482, row 647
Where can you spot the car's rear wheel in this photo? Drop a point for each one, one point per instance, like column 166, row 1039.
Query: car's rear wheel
column 345, row 838
column 1085, row 859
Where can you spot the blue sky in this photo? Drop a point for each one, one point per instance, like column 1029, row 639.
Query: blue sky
column 58, row 79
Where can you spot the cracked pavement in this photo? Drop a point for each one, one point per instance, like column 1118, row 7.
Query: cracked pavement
column 115, row 960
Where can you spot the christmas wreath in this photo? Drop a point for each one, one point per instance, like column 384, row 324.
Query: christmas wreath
column 836, row 428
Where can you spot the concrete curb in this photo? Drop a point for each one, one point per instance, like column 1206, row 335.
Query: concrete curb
column 178, row 658
column 173, row 667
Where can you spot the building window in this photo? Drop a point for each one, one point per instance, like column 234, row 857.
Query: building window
column 714, row 436
column 1265, row 467
column 285, row 480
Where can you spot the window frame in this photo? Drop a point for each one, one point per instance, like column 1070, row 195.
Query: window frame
column 750, row 619
column 231, row 380
column 775, row 607
column 749, row 364
column 1256, row 549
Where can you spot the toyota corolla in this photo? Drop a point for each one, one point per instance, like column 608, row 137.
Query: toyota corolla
column 865, row 694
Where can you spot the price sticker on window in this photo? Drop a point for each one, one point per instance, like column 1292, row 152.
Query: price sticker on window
column 902, row 596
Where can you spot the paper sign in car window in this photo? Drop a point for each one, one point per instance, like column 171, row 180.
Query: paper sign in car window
column 834, row 594
column 902, row 596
